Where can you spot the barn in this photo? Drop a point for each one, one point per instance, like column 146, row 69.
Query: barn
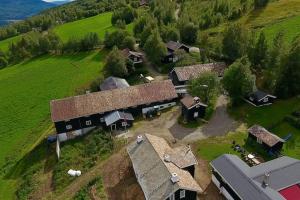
column 88, row 110
column 132, row 57
column 181, row 75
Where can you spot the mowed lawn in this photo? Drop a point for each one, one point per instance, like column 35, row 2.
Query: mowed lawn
column 98, row 24
column 271, row 117
column 26, row 91
column 4, row 44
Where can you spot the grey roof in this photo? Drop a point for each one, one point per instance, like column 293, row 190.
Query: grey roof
column 259, row 95
column 113, row 83
column 116, row 116
column 266, row 136
column 247, row 181
column 154, row 173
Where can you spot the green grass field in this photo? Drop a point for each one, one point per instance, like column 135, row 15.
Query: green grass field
column 26, row 90
column 4, row 44
column 98, row 24
column 290, row 27
column 271, row 117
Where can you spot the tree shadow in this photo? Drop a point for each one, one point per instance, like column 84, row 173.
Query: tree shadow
column 42, row 152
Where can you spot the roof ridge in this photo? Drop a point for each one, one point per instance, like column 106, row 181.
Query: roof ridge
column 250, row 180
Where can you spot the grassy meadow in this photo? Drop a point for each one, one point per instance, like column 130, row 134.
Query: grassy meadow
column 99, row 24
column 26, row 90
column 4, row 44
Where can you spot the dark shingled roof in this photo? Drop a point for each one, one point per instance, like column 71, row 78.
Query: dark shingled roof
column 154, row 173
column 267, row 137
column 193, row 71
column 247, row 181
column 127, row 52
column 111, row 100
column 189, row 101
column 113, row 83
column 259, row 95
column 171, row 45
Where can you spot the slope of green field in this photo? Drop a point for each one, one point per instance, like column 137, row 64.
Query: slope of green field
column 290, row 27
column 98, row 24
column 26, row 90
column 4, row 44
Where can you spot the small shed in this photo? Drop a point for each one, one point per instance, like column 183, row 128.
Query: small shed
column 132, row 57
column 118, row 120
column 269, row 141
column 260, row 98
column 172, row 47
column 113, row 83
column 192, row 108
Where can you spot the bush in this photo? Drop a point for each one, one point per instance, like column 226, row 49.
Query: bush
column 115, row 38
column 294, row 121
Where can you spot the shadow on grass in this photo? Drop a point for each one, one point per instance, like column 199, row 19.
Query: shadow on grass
column 40, row 153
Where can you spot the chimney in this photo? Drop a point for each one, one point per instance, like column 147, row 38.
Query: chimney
column 196, row 99
column 167, row 158
column 174, row 178
column 139, row 139
column 265, row 182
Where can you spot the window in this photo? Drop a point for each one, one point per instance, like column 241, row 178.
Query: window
column 182, row 194
column 88, row 123
column 196, row 114
column 102, row 119
column 266, row 100
column 69, row 126
column 124, row 123
column 259, row 140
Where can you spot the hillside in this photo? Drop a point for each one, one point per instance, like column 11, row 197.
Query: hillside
column 25, row 111
column 98, row 24
column 20, row 9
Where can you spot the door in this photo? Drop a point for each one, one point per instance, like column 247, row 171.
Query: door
column 113, row 127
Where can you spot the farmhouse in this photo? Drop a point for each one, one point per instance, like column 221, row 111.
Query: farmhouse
column 260, row 98
column 277, row 179
column 181, row 75
column 85, row 111
column 269, row 141
column 172, row 47
column 113, row 83
column 163, row 172
column 192, row 108
column 132, row 57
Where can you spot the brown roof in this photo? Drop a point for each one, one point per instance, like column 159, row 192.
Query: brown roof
column 267, row 137
column 193, row 71
column 189, row 101
column 154, row 173
column 175, row 45
column 127, row 52
column 110, row 100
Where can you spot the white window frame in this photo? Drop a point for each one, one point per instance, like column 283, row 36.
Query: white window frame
column 69, row 126
column 88, row 122
column 182, row 194
column 196, row 114
column 124, row 124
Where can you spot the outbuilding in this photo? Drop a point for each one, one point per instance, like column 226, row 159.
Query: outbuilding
column 132, row 57
column 118, row 120
column 260, row 98
column 269, row 141
column 113, row 83
column 172, row 47
column 192, row 108
column 181, row 75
